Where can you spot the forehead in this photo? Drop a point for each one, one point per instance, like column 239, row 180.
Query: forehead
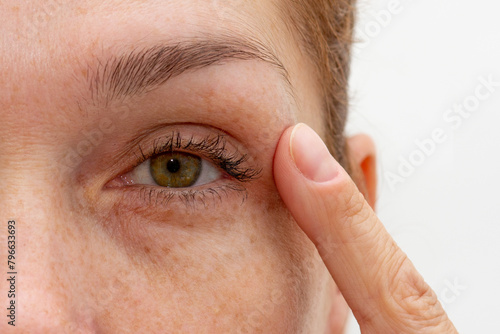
column 44, row 39
column 98, row 24
column 49, row 43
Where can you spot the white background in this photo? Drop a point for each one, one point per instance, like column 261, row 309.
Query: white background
column 408, row 70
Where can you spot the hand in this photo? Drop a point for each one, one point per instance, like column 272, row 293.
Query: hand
column 376, row 278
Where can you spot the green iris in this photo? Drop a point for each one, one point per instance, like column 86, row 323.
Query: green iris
column 175, row 170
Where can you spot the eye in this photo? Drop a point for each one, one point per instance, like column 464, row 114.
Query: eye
column 173, row 170
column 175, row 167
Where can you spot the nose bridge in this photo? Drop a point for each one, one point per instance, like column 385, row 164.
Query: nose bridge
column 45, row 273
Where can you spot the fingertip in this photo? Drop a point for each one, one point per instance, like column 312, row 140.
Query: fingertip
column 305, row 174
column 282, row 155
column 311, row 156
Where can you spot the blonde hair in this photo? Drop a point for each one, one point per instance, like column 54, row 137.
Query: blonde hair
column 325, row 29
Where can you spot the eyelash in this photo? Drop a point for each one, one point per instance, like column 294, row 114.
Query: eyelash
column 214, row 149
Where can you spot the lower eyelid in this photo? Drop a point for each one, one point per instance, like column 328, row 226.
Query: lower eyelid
column 147, row 199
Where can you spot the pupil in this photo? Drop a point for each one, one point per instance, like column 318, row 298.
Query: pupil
column 173, row 165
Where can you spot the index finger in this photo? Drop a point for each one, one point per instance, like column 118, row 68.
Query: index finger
column 378, row 281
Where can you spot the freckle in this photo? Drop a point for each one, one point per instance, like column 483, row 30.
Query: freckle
column 165, row 250
column 147, row 250
column 229, row 256
column 258, row 270
column 81, row 11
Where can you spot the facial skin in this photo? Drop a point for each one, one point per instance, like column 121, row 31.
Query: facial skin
column 97, row 256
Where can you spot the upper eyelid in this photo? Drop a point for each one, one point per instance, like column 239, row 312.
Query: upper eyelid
column 212, row 147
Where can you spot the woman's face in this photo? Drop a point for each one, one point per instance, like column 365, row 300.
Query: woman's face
column 89, row 91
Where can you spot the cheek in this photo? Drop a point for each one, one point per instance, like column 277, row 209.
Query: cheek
column 245, row 271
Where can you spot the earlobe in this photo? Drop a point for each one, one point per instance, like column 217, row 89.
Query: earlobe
column 362, row 156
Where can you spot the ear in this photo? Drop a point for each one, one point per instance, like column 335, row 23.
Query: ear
column 361, row 153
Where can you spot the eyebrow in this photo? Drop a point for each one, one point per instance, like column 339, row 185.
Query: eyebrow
column 142, row 70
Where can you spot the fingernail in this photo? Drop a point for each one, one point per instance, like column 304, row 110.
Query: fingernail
column 310, row 154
